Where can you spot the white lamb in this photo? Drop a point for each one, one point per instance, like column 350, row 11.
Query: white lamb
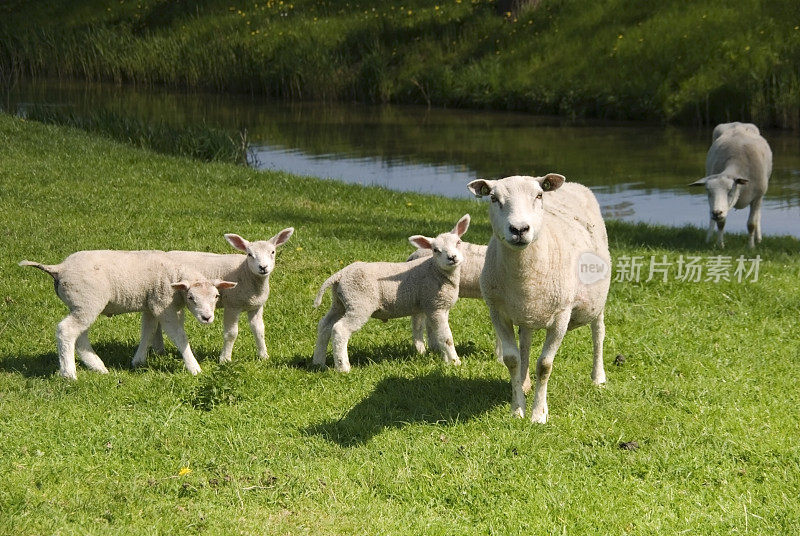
column 109, row 282
column 384, row 290
column 738, row 166
column 468, row 286
column 532, row 276
column 251, row 272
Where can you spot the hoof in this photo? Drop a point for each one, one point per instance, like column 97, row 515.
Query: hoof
column 518, row 413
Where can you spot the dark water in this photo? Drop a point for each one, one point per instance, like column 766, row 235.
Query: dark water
column 638, row 172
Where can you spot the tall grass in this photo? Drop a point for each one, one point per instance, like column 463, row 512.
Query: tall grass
column 696, row 62
column 195, row 141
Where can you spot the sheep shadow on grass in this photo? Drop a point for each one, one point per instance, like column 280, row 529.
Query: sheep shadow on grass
column 362, row 356
column 435, row 398
column 115, row 355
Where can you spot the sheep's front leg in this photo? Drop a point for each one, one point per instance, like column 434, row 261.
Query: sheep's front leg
column 67, row 333
column 720, row 234
column 525, row 335
column 504, row 330
column 754, row 223
column 598, row 336
column 88, row 355
column 149, row 326
column 256, row 318
column 438, row 321
column 172, row 322
column 230, row 332
column 712, row 227
column 544, row 366
column 418, row 332
column 158, row 341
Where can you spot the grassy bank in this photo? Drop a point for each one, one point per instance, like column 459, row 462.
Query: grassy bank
column 696, row 62
column 403, row 444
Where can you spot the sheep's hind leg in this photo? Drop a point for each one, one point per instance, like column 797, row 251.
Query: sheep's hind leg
column 754, row 223
column 418, row 332
column 324, row 328
column 230, row 322
column 149, row 327
column 67, row 333
column 598, row 335
column 340, row 335
column 88, row 355
column 525, row 335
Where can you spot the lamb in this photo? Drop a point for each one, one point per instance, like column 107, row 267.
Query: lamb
column 251, row 272
column 533, row 275
column 110, row 282
column 384, row 290
column 468, row 285
column 738, row 166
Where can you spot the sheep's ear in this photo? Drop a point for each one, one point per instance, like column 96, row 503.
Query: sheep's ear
column 237, row 241
column 700, row 182
column 551, row 181
column 741, row 180
column 420, row 242
column 282, row 237
column 223, row 284
column 181, row 285
column 481, row 187
column 462, row 225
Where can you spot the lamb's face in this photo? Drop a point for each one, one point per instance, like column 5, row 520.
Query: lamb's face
column 446, row 248
column 447, row 252
column 516, row 210
column 201, row 297
column 260, row 254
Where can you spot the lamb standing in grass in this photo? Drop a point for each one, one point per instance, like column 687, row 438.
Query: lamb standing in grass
column 738, row 166
column 251, row 272
column 108, row 282
column 532, row 278
column 468, row 286
column 384, row 290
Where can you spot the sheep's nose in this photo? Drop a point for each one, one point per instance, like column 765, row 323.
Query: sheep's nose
column 262, row 269
column 452, row 258
column 206, row 318
column 519, row 231
column 716, row 214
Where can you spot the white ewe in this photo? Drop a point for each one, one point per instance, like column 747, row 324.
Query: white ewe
column 532, row 275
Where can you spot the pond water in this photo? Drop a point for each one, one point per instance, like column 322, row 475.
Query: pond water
column 638, row 172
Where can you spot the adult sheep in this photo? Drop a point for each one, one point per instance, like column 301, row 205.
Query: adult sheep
column 544, row 233
column 738, row 166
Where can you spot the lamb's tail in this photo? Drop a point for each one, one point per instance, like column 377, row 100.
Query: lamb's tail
column 328, row 282
column 51, row 269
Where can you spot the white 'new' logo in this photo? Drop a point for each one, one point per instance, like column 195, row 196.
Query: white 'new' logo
column 592, row 268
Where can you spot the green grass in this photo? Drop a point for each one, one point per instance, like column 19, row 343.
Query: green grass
column 704, row 61
column 403, row 444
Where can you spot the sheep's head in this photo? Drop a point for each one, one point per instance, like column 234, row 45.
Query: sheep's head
column 201, row 295
column 517, row 206
column 723, row 192
column 260, row 254
column 446, row 247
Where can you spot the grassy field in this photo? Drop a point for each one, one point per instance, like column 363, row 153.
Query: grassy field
column 403, row 444
column 704, row 61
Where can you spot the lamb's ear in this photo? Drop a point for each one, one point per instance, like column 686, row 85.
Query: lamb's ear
column 237, row 241
column 462, row 225
column 420, row 242
column 700, row 182
column 481, row 187
column 551, row 181
column 282, row 237
column 223, row 284
column 181, row 285
column 740, row 180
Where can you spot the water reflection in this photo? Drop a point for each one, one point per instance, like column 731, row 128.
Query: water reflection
column 638, row 172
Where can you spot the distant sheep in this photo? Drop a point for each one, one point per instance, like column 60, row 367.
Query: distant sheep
column 384, row 290
column 109, row 282
column 251, row 273
column 469, row 285
column 738, row 167
column 532, row 276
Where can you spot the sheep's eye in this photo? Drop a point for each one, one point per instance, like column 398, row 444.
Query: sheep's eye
column 191, row 298
column 539, row 196
column 458, row 243
column 436, row 250
column 493, row 198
